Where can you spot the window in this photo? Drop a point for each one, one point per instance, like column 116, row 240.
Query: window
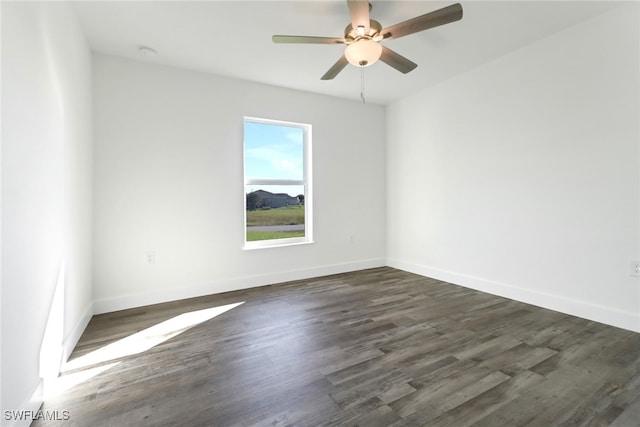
column 277, row 184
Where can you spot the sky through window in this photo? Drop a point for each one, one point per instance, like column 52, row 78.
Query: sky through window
column 273, row 151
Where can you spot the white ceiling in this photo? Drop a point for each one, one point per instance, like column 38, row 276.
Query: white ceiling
column 233, row 38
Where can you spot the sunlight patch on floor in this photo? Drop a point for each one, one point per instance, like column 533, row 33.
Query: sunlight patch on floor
column 65, row 382
column 147, row 338
column 88, row 366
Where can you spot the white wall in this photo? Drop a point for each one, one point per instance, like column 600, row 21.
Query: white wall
column 168, row 178
column 46, row 187
column 521, row 177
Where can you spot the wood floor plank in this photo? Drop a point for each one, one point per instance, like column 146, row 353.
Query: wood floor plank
column 630, row 416
column 488, row 402
column 378, row 347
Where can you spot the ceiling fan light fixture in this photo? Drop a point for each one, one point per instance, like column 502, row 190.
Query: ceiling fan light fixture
column 363, row 53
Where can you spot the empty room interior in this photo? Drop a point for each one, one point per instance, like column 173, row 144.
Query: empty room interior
column 407, row 213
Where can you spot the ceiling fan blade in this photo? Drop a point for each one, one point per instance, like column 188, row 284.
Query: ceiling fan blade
column 359, row 11
column 396, row 60
column 424, row 22
column 336, row 68
column 307, row 39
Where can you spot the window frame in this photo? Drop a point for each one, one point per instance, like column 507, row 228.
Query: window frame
column 305, row 182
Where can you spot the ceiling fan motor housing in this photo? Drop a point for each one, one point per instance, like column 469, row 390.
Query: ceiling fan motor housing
column 351, row 34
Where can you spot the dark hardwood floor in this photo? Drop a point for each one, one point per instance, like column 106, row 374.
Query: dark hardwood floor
column 379, row 347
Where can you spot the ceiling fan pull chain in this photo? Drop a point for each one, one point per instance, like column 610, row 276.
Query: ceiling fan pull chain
column 362, row 84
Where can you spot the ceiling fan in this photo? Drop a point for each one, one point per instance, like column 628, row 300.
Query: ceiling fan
column 363, row 35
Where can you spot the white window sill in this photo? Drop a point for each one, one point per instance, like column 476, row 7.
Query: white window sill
column 262, row 244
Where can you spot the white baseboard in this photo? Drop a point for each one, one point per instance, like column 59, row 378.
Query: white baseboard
column 586, row 310
column 73, row 337
column 107, row 305
column 22, row 416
